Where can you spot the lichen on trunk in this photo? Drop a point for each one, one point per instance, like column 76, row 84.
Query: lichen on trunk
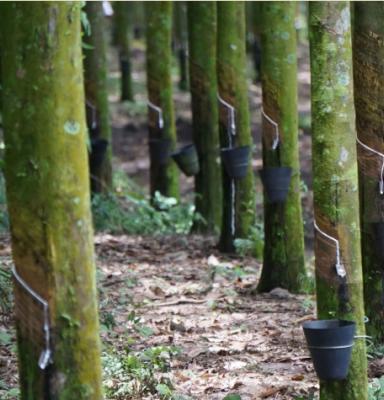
column 47, row 182
column 233, row 88
column 283, row 261
column 335, row 185
column 203, row 84
column 164, row 176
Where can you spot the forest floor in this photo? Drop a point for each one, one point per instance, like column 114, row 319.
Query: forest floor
column 179, row 320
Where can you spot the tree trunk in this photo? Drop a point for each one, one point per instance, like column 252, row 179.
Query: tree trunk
column 203, row 84
column 123, row 40
column 256, row 23
column 48, row 200
column 335, row 186
column 95, row 72
column 181, row 42
column 368, row 52
column 164, row 176
column 233, row 89
column 283, row 261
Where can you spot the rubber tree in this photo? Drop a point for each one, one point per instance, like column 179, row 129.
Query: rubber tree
column 202, row 24
column 255, row 28
column 123, row 33
column 181, row 41
column 47, row 184
column 96, row 92
column 339, row 282
column 368, row 54
column 164, row 176
column 233, row 89
column 283, row 261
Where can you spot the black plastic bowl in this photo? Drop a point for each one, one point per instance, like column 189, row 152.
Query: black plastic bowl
column 276, row 181
column 187, row 159
column 236, row 161
column 330, row 344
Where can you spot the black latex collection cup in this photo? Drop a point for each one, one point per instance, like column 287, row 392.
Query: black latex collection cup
column 236, row 161
column 276, row 181
column 330, row 343
column 187, row 159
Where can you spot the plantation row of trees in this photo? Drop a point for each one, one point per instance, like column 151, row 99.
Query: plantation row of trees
column 45, row 90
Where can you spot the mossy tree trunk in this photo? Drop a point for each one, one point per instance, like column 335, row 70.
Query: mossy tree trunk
column 138, row 19
column 202, row 28
column 283, row 264
column 256, row 23
column 368, row 52
column 335, row 186
column 181, row 41
column 123, row 42
column 48, row 198
column 233, row 88
column 96, row 92
column 164, row 176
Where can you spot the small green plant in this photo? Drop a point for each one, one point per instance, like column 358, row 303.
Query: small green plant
column 8, row 393
column 136, row 374
column 375, row 350
column 307, row 305
column 232, row 397
column 253, row 245
column 4, row 221
column 127, row 214
column 376, row 389
column 307, row 283
column 5, row 290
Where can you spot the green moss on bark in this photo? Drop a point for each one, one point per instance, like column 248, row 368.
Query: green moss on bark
column 368, row 52
column 123, row 32
column 164, row 177
column 203, row 83
column 233, row 88
column 48, row 197
column 335, row 184
column 283, row 264
column 96, row 90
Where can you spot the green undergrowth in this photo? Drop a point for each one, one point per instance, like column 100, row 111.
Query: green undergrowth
column 127, row 210
column 133, row 374
column 376, row 389
column 4, row 222
column 253, row 244
column 5, row 290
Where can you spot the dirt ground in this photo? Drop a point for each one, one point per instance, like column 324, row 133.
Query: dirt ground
column 232, row 340
column 185, row 293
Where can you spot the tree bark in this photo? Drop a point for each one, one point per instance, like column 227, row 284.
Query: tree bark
column 164, row 177
column 202, row 28
column 123, row 42
column 48, row 198
column 96, row 92
column 335, row 185
column 283, row 261
column 181, row 42
column 368, row 52
column 233, row 88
